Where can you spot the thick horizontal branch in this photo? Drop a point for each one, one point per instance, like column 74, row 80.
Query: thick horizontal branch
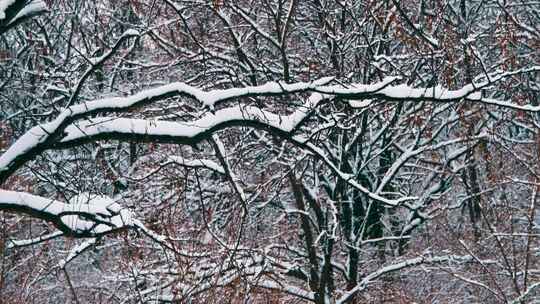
column 42, row 137
column 190, row 133
column 37, row 139
column 181, row 132
column 405, row 92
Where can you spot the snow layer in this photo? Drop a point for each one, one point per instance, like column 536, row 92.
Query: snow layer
column 39, row 134
column 197, row 163
column 85, row 212
column 4, row 4
column 32, row 8
column 105, row 125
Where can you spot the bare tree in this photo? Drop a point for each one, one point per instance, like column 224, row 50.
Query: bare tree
column 269, row 151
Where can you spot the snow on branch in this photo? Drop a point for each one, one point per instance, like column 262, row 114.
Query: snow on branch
column 85, row 215
column 527, row 293
column 76, row 251
column 99, row 61
column 179, row 131
column 405, row 92
column 252, row 268
column 4, row 5
column 33, row 241
column 36, row 139
column 13, row 12
column 398, row 266
column 196, row 163
column 42, row 137
column 31, row 9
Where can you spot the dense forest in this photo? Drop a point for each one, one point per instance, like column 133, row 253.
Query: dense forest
column 270, row 151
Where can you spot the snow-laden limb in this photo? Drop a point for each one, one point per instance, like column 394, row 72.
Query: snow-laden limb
column 255, row 26
column 219, row 147
column 196, row 163
column 413, row 151
column 286, row 288
column 510, row 105
column 186, row 131
column 479, row 284
column 349, row 178
column 527, row 293
column 4, row 5
column 250, row 268
column 190, row 132
column 76, row 251
column 398, row 266
column 416, row 29
column 165, row 241
column 85, row 216
column 34, row 140
column 33, row 241
column 149, row 291
column 179, row 161
column 33, row 8
column 97, row 62
column 470, row 91
column 13, row 12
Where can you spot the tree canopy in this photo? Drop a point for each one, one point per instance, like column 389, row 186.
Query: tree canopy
column 269, row 151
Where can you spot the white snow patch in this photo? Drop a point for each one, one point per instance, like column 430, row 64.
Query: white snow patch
column 4, row 4
column 32, row 8
column 85, row 212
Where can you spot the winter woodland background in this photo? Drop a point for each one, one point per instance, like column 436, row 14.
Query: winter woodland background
column 269, row 151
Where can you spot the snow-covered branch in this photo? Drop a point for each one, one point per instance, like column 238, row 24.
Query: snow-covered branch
column 396, row 267
column 40, row 137
column 13, row 12
column 85, row 216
